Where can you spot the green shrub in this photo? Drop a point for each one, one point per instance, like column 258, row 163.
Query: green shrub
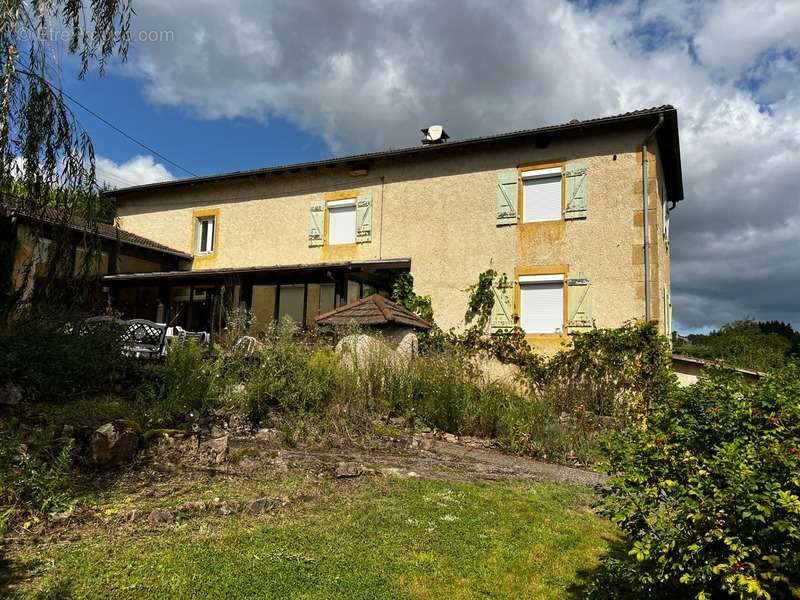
column 34, row 475
column 290, row 375
column 179, row 386
column 709, row 492
column 42, row 352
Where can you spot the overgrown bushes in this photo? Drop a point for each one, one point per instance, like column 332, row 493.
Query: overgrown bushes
column 34, row 475
column 553, row 409
column 44, row 352
column 709, row 493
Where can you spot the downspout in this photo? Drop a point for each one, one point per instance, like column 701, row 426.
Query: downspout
column 646, row 220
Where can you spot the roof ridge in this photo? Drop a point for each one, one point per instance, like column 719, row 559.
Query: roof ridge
column 388, row 310
column 571, row 124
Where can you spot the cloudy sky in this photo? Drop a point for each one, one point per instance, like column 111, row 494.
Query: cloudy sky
column 243, row 84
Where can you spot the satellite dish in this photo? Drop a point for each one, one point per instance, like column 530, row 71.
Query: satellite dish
column 435, row 132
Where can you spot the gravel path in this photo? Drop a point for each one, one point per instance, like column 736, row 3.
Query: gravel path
column 445, row 460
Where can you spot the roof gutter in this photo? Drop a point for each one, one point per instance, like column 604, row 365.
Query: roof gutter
column 648, row 313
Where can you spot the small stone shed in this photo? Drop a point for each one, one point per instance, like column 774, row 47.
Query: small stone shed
column 688, row 369
column 376, row 317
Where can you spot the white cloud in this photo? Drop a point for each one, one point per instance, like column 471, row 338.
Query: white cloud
column 136, row 171
column 367, row 74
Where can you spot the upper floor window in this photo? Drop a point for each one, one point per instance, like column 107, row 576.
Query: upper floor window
column 541, row 195
column 342, row 222
column 541, row 300
column 205, row 235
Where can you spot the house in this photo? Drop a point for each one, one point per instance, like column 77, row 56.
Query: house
column 560, row 210
column 30, row 240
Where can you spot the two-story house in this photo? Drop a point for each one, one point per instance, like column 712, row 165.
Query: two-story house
column 576, row 215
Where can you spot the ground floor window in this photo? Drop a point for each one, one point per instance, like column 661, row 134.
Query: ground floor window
column 541, row 307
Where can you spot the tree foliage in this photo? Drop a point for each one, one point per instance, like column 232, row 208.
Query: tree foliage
column 46, row 158
column 403, row 293
column 745, row 344
column 708, row 493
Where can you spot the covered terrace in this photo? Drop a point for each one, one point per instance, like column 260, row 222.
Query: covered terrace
column 199, row 300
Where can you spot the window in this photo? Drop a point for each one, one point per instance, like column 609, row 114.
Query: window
column 541, row 195
column 205, row 235
column 291, row 300
column 541, row 303
column 342, row 222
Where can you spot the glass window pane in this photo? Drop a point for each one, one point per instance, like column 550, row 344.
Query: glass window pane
column 327, row 297
column 353, row 291
column 290, row 302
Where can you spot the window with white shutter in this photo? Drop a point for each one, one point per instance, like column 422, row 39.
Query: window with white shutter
column 541, row 195
column 342, row 222
column 541, row 307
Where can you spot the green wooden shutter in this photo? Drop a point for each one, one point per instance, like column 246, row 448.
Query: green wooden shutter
column 577, row 191
column 364, row 218
column 579, row 299
column 502, row 311
column 316, row 224
column 507, row 198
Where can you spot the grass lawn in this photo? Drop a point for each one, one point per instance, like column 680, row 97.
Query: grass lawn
column 383, row 539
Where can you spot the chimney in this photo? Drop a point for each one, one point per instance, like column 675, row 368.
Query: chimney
column 435, row 134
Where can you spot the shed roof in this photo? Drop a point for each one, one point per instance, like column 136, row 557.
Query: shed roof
column 373, row 311
column 51, row 216
column 703, row 362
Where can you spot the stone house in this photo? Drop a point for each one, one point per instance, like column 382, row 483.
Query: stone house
column 576, row 215
column 28, row 241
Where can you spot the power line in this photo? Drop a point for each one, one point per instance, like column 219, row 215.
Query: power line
column 121, row 132
column 107, row 122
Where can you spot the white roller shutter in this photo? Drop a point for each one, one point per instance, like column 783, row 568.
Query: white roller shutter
column 541, row 195
column 342, row 222
column 542, row 303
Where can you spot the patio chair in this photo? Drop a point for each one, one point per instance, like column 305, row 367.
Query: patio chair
column 144, row 339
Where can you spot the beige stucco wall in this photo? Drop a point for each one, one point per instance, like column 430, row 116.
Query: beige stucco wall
column 686, row 373
column 440, row 213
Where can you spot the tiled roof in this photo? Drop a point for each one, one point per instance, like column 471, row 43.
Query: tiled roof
column 374, row 311
column 10, row 205
column 356, row 158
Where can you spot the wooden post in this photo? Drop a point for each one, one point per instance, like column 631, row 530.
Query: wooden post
column 246, row 294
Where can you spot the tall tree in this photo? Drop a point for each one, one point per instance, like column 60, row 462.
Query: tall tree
column 46, row 157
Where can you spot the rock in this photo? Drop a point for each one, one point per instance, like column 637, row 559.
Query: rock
column 160, row 516
column 240, row 425
column 346, row 470
column 114, row 443
column 224, row 507
column 395, row 472
column 423, row 441
column 217, row 431
column 280, row 465
column 193, row 506
column 58, row 517
column 269, row 435
column 10, row 394
column 449, row 437
column 214, row 450
column 129, row 515
column 258, row 506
